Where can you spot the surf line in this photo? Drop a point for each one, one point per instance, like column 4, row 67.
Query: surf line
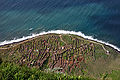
column 59, row 32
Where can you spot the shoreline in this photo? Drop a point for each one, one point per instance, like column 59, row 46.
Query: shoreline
column 33, row 36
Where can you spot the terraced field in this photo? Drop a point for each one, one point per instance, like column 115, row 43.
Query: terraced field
column 63, row 53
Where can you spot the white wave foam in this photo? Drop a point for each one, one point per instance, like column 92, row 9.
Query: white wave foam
column 59, row 32
column 30, row 29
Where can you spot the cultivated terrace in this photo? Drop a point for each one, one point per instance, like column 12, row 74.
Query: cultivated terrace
column 62, row 53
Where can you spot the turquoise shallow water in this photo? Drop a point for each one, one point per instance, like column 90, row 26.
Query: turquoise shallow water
column 100, row 19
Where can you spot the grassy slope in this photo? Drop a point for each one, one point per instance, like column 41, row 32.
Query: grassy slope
column 80, row 56
column 10, row 71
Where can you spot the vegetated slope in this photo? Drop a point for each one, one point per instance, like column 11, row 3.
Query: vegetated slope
column 11, row 71
column 63, row 53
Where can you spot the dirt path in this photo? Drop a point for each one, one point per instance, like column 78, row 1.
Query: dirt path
column 3, row 48
column 107, row 52
column 62, row 39
column 18, row 43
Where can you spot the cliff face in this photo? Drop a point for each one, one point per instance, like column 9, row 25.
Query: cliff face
column 63, row 53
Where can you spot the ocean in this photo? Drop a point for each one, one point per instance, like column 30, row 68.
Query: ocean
column 97, row 18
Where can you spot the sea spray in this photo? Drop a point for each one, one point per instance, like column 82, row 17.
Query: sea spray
column 58, row 32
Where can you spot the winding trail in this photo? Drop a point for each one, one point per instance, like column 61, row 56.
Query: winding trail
column 62, row 39
column 18, row 43
column 107, row 52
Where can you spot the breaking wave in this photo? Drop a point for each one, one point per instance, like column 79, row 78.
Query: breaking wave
column 58, row 32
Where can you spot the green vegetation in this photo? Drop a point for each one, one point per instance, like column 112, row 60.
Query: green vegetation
column 114, row 75
column 58, row 56
column 10, row 71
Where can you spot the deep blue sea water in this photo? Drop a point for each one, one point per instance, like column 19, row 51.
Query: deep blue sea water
column 97, row 18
